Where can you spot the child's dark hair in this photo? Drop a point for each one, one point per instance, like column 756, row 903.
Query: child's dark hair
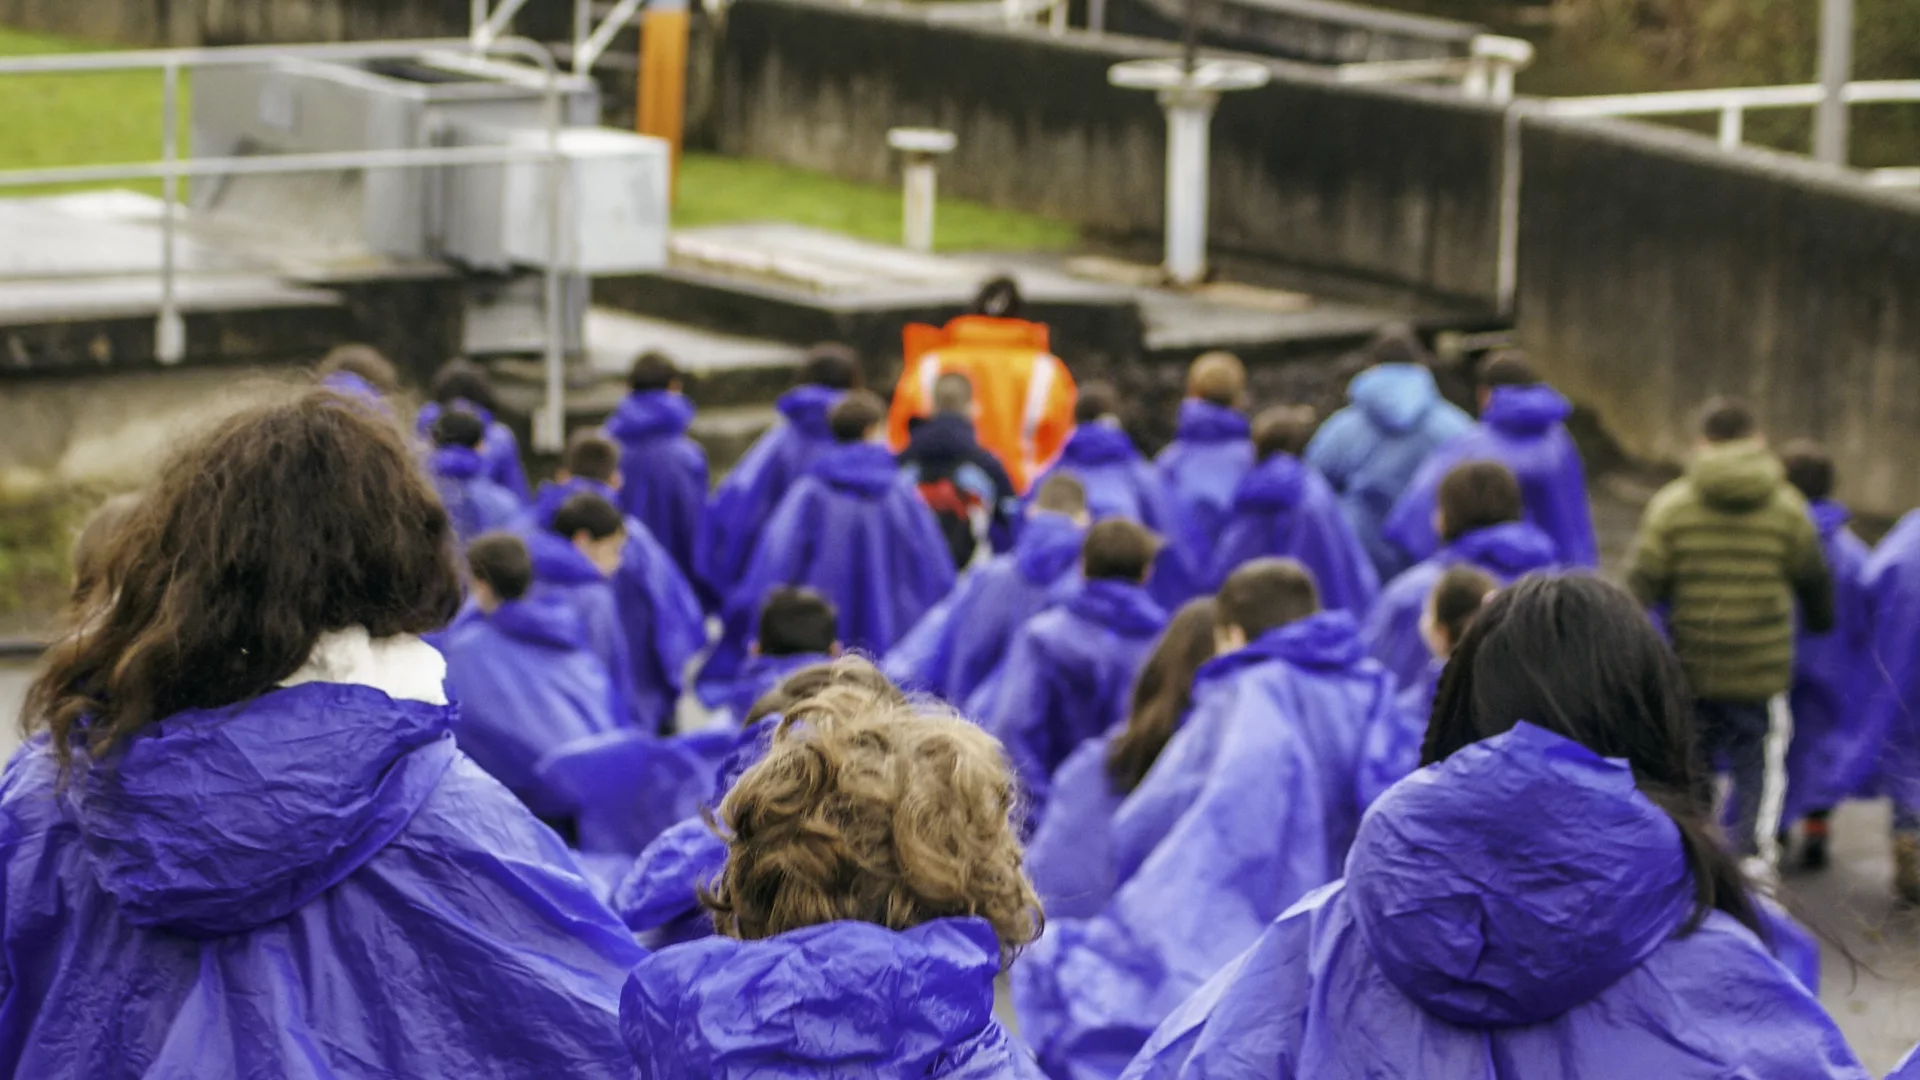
column 1809, row 469
column 1283, row 429
column 1061, row 493
column 1162, row 695
column 458, row 425
column 284, row 522
column 652, row 371
column 1578, row 657
column 1478, row 495
column 1000, row 298
column 590, row 455
column 832, row 365
column 500, row 559
column 1726, row 419
column 854, row 671
column 362, row 361
column 588, row 513
column 856, row 415
column 1266, row 594
column 1457, row 597
column 1097, row 401
column 1508, row 367
column 464, row 380
column 797, row 622
column 1118, row 550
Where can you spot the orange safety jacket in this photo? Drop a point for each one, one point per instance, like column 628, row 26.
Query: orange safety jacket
column 1023, row 395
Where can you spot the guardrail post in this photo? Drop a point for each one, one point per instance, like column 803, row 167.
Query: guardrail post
column 170, row 330
column 1830, row 120
column 1733, row 125
column 920, row 148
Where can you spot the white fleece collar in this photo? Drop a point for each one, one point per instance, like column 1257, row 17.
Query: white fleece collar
column 403, row 667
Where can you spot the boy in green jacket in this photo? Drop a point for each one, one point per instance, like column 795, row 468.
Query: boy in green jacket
column 1728, row 549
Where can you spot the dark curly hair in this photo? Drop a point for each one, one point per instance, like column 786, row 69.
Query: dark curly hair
column 284, row 522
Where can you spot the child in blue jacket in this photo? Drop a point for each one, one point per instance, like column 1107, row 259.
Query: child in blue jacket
column 1250, row 807
column 459, row 473
column 466, row 384
column 666, row 487
column 855, row 529
column 1284, row 509
column 952, row 650
column 1209, row 454
column 871, row 895
column 520, row 670
column 1071, row 668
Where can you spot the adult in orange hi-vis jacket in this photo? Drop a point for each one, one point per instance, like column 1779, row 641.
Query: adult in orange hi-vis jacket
column 1023, row 395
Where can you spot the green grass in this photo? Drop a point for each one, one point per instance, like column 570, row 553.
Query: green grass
column 83, row 119
column 108, row 118
column 717, row 190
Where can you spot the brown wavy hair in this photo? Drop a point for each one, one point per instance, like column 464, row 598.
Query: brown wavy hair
column 871, row 810
column 284, row 522
column 1162, row 695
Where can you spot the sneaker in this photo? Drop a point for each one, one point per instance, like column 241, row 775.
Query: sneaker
column 1906, row 868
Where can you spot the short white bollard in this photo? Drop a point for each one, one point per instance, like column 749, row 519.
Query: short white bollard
column 1188, row 96
column 920, row 148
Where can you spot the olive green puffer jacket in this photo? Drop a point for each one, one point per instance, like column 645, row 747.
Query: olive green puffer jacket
column 1729, row 548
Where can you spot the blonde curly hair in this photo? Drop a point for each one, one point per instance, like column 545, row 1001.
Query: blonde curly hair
column 872, row 809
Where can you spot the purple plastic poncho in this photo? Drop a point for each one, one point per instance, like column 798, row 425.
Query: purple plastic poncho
column 474, row 502
column 561, row 571
column 1122, row 484
column 1832, row 680
column 745, row 500
column 950, row 652
column 1886, row 749
column 846, row 1000
column 1506, row 552
column 1069, row 674
column 311, row 885
column 1202, row 467
column 1909, row 1067
column 526, row 683
column 1522, row 428
column 661, row 623
column 500, row 448
column 624, row 788
column 1285, row 509
column 760, row 676
column 1251, row 806
column 1070, row 857
column 1515, row 913
column 663, row 472
column 855, row 530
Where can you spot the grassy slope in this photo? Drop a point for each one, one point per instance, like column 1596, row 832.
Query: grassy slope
column 51, row 120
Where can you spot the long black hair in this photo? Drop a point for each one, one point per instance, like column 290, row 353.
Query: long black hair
column 1577, row 656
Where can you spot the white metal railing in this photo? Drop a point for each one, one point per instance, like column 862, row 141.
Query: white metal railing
column 1732, row 105
column 591, row 36
column 1010, row 12
column 177, row 161
column 1486, row 73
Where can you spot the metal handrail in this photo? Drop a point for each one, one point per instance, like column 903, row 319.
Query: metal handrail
column 169, row 327
column 1486, row 73
column 1733, row 104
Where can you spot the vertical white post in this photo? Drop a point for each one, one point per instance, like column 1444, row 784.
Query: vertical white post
column 477, row 12
column 170, row 330
column 550, row 423
column 1097, row 16
column 1830, row 122
column 921, row 194
column 1733, row 124
column 1189, row 152
column 1507, row 270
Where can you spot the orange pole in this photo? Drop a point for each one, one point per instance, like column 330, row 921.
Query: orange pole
column 662, row 110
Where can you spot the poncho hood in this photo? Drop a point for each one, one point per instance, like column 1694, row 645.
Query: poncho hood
column 1394, row 396
column 1125, row 609
column 553, row 495
column 1737, row 475
column 1048, row 547
column 218, row 821
column 1204, row 422
column 1525, row 411
column 806, row 408
column 1097, row 444
column 557, row 562
column 863, row 469
column 1274, row 485
column 542, row 619
column 1510, row 550
column 650, row 414
column 457, row 462
column 1516, row 880
column 1327, row 641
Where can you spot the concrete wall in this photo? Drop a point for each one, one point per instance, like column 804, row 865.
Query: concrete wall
column 1656, row 272
column 1393, row 185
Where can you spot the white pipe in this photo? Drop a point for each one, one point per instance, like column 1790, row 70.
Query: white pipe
column 1830, row 127
column 1189, row 123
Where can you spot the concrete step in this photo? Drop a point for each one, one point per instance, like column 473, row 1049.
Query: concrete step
column 800, row 285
